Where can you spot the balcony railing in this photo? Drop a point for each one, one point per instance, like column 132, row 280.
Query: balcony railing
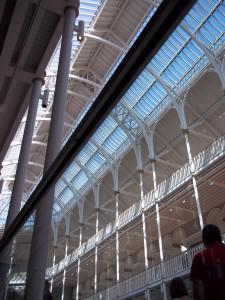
column 178, row 265
column 203, row 160
column 182, row 175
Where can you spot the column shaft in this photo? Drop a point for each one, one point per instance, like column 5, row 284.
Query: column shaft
column 159, row 232
column 53, row 265
column 143, row 221
column 18, row 187
column 42, row 224
column 117, row 244
column 64, row 271
column 96, row 254
column 197, row 200
column 78, row 263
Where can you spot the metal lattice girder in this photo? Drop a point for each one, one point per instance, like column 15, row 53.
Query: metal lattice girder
column 135, row 144
column 147, row 132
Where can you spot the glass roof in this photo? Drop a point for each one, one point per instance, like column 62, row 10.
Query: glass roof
column 178, row 61
column 87, row 12
column 174, row 66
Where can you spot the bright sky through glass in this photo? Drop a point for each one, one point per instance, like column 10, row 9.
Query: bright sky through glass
column 173, row 68
column 179, row 61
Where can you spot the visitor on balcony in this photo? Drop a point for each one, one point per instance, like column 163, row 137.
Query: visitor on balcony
column 208, row 267
column 178, row 289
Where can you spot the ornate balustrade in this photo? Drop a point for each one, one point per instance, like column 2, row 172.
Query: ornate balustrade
column 182, row 175
column 176, row 266
column 199, row 163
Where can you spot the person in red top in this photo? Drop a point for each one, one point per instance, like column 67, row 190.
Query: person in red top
column 208, row 267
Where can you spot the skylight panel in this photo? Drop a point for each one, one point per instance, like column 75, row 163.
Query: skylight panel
column 60, row 186
column 139, row 87
column 194, row 49
column 157, row 64
column 199, row 12
column 216, row 25
column 142, row 108
column 173, row 62
column 87, row 151
column 191, row 23
column 88, row 9
column 208, row 4
column 212, row 28
column 115, row 140
column 71, row 171
column 90, row 5
column 9, row 170
column 13, row 154
column 94, row 164
column 66, row 195
column 205, row 36
column 159, row 89
column 79, row 180
column 220, row 17
column 106, row 128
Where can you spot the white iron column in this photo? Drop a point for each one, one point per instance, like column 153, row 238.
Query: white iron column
column 179, row 105
column 115, row 175
column 53, row 265
column 197, row 200
column 159, row 229
column 147, row 294
column 78, row 262
column 64, row 271
column 152, row 156
column 96, row 189
column 55, row 229
column 18, row 187
column 42, row 223
column 137, row 151
column 96, row 252
column 117, row 243
column 143, row 220
column 194, row 180
column 67, row 221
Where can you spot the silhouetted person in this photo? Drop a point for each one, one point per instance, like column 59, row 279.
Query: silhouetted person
column 47, row 294
column 208, row 267
column 178, row 289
